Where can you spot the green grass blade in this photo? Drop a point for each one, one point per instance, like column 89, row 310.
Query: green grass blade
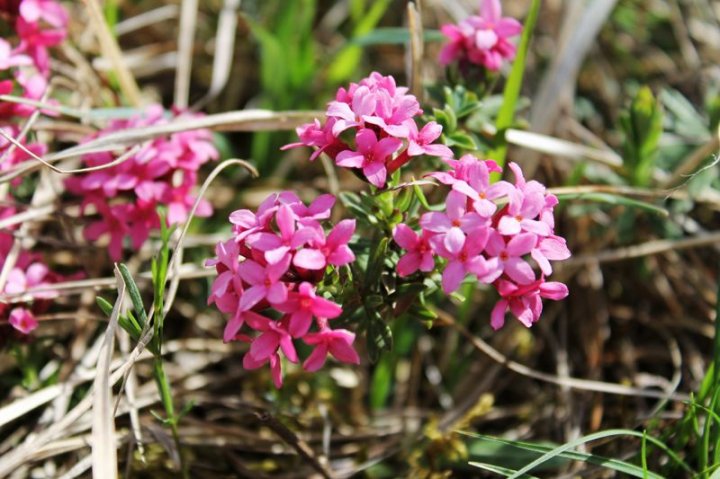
column 506, row 115
column 566, row 448
column 615, row 200
column 503, row 471
column 614, row 464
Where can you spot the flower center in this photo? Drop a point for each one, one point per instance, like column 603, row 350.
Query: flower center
column 519, row 217
column 456, row 223
column 306, row 303
column 268, row 283
column 504, row 256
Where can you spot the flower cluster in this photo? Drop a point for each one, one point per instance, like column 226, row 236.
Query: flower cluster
column 27, row 272
column 25, row 66
column 473, row 236
column 371, row 128
column 162, row 172
column 481, row 39
column 267, row 281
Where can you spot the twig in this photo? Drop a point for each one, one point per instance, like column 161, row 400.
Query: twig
column 293, row 440
column 574, row 383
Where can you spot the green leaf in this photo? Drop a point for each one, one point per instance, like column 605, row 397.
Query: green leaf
column 104, row 305
column 511, row 93
column 460, row 140
column 381, row 382
column 504, row 471
column 642, row 125
column 379, row 335
column 134, row 293
column 394, row 36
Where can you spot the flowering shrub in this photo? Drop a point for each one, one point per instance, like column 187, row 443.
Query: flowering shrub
column 382, row 135
column 481, row 39
column 491, row 231
column 273, row 265
column 126, row 196
column 473, row 237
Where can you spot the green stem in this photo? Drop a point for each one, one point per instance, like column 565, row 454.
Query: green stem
column 167, row 402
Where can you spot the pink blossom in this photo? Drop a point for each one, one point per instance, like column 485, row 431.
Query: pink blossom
column 507, row 257
column 277, row 248
column 10, row 58
column 264, row 283
column 421, row 142
column 250, row 363
column 332, row 250
column 463, row 255
column 305, row 304
column 371, row 156
column 419, row 254
column 456, row 218
column 337, row 342
column 23, row 320
column 481, row 39
column 525, row 301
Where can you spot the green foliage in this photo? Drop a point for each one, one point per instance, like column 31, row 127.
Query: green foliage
column 511, row 94
column 642, row 124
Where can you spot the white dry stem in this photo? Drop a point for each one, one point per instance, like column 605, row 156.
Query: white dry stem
column 223, row 51
column 186, row 41
column 104, row 451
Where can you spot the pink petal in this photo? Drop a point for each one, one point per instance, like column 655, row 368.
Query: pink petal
column 277, row 293
column 453, row 275
column 233, row 326
column 309, row 259
column 342, row 348
column 491, row 10
column 285, row 219
column 454, row 241
column 519, row 271
column 376, row 173
column 341, row 256
column 341, row 233
column 350, row 159
column 323, row 308
column 497, row 317
column 251, row 272
column 365, row 140
column 264, row 345
column 553, row 290
column 405, row 237
column 509, row 225
column 316, row 360
column 521, row 244
column 300, row 323
column 409, row 263
column 251, row 297
column 435, row 222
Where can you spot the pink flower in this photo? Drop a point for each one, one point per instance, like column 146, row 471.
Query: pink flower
column 371, row 155
column 49, row 11
column 524, row 301
column 551, row 248
column 10, row 58
column 506, row 257
column 278, row 249
column 337, row 342
column 419, row 254
column 264, row 283
column 251, row 363
column 274, row 336
column 305, row 304
column 463, row 254
column 23, row 320
column 421, row 142
column 456, row 218
column 332, row 250
column 352, row 115
column 481, row 39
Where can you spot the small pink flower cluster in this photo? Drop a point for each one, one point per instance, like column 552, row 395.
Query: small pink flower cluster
column 27, row 272
column 272, row 266
column 481, row 39
column 385, row 136
column 163, row 172
column 38, row 25
column 476, row 238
